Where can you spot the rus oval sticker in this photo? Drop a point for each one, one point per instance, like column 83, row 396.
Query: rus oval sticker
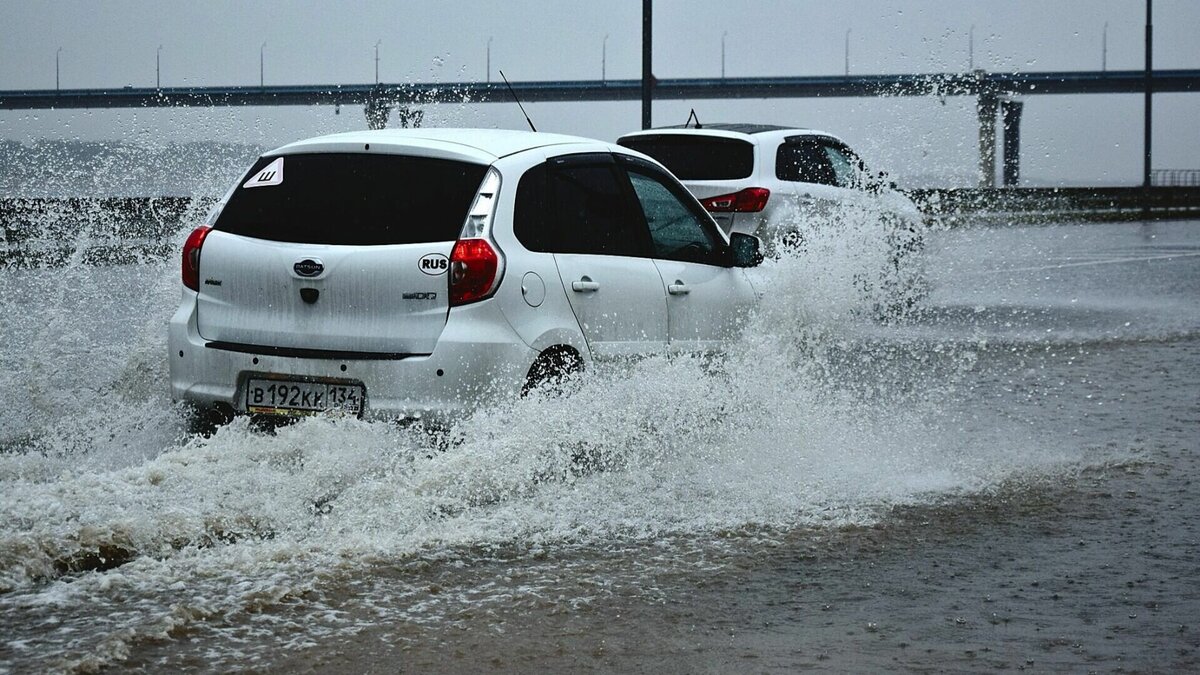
column 433, row 264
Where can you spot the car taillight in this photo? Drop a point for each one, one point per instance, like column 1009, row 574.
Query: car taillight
column 750, row 200
column 474, row 271
column 191, row 257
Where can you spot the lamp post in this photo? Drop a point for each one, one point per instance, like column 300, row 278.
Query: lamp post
column 261, row 49
column 489, row 60
column 971, row 48
column 604, row 59
column 56, row 68
column 158, row 68
column 1104, row 49
column 647, row 60
column 848, row 50
column 377, row 43
column 723, row 34
column 1149, row 86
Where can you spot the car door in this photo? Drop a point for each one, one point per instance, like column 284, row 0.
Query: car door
column 707, row 299
column 602, row 248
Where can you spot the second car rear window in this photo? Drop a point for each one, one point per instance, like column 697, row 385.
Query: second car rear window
column 697, row 157
column 352, row 199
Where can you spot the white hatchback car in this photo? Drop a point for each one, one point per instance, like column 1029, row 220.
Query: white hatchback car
column 779, row 182
column 398, row 273
column 753, row 177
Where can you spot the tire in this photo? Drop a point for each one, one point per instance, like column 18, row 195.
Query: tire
column 205, row 420
column 553, row 370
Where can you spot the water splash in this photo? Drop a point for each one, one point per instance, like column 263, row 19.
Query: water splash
column 817, row 417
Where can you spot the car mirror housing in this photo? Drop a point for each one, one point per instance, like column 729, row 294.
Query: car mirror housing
column 747, row 249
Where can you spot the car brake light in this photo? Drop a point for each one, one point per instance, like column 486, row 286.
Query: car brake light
column 191, row 257
column 474, row 271
column 750, row 200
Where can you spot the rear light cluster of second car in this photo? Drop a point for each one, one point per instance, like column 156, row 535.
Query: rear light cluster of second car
column 750, row 200
column 476, row 263
column 191, row 257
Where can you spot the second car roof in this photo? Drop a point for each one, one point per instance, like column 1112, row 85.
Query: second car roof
column 754, row 133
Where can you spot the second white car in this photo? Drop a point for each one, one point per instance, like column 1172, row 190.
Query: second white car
column 764, row 179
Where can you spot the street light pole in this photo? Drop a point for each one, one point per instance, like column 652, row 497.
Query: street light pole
column 647, row 56
column 1149, row 84
column 723, row 54
column 971, row 49
column 1104, row 49
column 604, row 59
column 262, row 48
column 489, row 60
column 377, row 43
column 56, row 68
column 158, row 68
column 848, row 51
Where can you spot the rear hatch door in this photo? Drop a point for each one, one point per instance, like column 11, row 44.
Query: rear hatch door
column 708, row 165
column 341, row 252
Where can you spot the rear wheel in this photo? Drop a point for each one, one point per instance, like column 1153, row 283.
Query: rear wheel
column 553, row 369
column 204, row 420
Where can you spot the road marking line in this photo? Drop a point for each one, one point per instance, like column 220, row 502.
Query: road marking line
column 1111, row 261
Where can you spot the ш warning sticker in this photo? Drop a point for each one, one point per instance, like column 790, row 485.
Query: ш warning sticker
column 271, row 174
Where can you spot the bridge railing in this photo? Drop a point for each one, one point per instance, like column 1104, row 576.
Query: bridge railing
column 40, row 231
column 1175, row 177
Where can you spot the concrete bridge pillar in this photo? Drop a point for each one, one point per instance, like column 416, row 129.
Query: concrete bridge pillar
column 1012, row 141
column 377, row 112
column 986, row 107
column 409, row 117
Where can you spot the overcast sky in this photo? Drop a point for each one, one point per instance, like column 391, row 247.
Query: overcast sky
column 1085, row 139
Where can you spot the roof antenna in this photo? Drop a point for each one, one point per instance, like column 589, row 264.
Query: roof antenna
column 514, row 95
column 693, row 116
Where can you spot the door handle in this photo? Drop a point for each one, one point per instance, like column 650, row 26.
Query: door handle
column 678, row 288
column 585, row 285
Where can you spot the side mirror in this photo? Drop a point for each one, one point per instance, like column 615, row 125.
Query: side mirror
column 747, row 249
column 883, row 181
column 875, row 181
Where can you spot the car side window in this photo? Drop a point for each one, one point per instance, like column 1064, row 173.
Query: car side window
column 591, row 212
column 803, row 160
column 848, row 169
column 530, row 222
column 574, row 207
column 676, row 231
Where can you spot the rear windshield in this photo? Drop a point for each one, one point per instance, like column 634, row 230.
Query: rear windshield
column 352, row 199
column 697, row 157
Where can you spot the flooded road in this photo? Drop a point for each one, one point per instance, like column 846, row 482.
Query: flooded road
column 1003, row 479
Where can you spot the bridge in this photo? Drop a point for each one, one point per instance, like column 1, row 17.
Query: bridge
column 934, row 84
column 996, row 92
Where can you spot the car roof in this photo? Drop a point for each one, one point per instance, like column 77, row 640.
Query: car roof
column 744, row 131
column 478, row 145
column 737, row 127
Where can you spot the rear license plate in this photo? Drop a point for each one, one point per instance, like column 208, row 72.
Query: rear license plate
column 288, row 397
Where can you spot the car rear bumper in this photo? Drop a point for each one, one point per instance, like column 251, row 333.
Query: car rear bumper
column 478, row 358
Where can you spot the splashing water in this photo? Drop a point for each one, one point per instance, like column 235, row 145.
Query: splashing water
column 816, row 417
